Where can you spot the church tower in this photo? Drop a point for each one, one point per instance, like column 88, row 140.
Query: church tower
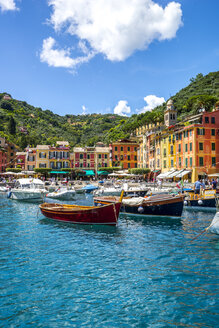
column 170, row 114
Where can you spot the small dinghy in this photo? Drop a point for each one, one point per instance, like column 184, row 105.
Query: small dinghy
column 78, row 214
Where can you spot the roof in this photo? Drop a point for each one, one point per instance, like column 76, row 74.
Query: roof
column 64, row 143
column 43, row 147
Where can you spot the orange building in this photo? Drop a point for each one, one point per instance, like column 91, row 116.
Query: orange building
column 197, row 145
column 124, row 153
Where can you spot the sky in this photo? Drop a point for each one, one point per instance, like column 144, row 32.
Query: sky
column 105, row 56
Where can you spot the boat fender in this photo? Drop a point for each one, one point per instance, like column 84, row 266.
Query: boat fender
column 9, row 194
column 200, row 202
column 185, row 202
column 140, row 209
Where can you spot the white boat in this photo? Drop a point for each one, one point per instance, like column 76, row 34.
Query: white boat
column 108, row 191
column 214, row 226
column 4, row 189
column 62, row 193
column 28, row 189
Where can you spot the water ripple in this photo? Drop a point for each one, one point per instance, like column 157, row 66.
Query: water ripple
column 142, row 273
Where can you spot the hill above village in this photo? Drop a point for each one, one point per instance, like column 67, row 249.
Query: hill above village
column 24, row 124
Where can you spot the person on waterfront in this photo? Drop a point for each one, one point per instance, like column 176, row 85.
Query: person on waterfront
column 198, row 185
column 214, row 184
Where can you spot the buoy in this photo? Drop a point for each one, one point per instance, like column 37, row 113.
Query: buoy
column 200, row 202
column 140, row 209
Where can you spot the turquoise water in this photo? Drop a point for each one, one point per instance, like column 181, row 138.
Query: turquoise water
column 142, row 273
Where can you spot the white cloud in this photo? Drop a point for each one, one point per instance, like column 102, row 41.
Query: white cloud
column 61, row 57
column 122, row 108
column 84, row 110
column 116, row 28
column 152, row 101
column 7, row 5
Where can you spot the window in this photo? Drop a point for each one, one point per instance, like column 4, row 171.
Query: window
column 121, row 148
column 186, row 147
column 213, row 146
column 213, row 132
column 190, row 161
column 116, row 148
column 128, row 148
column 136, row 165
column 190, row 146
column 42, row 155
column 135, row 158
column 173, row 116
column 201, row 161
column 180, row 163
column 99, row 156
column 88, row 156
column 190, row 133
column 201, row 132
column 116, row 157
column 128, row 157
column 186, row 162
column 179, row 148
column 169, row 138
column 164, row 164
column 158, row 163
column 213, row 120
column 171, row 162
column 81, row 156
column 164, row 152
column 42, row 165
column 171, row 150
column 213, row 161
column 200, row 145
column 206, row 119
column 135, row 148
column 129, row 165
column 105, row 156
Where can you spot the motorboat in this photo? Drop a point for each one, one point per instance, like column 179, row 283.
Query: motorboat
column 206, row 198
column 156, row 205
column 89, row 188
column 62, row 193
column 107, row 214
column 28, row 189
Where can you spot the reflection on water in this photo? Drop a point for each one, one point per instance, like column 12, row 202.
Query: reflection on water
column 146, row 272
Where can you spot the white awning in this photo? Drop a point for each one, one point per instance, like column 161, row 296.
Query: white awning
column 213, row 175
column 165, row 174
column 184, row 172
column 173, row 174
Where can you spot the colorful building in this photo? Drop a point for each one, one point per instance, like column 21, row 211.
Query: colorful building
column 125, row 153
column 90, row 157
column 3, row 155
column 189, row 147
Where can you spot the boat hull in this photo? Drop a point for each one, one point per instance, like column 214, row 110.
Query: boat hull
column 27, row 195
column 82, row 214
column 168, row 206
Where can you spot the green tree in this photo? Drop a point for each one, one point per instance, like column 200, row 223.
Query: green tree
column 12, row 126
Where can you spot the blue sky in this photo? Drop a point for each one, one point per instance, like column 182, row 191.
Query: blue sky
column 95, row 56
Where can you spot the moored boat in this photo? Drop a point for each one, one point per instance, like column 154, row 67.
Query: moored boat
column 158, row 205
column 107, row 214
column 207, row 198
column 62, row 193
column 214, row 226
column 28, row 189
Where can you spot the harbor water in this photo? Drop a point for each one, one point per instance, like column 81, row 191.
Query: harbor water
column 146, row 272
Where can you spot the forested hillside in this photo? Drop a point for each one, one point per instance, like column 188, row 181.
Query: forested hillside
column 25, row 125
column 203, row 91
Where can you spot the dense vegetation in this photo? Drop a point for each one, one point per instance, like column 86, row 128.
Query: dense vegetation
column 25, row 125
column 203, row 91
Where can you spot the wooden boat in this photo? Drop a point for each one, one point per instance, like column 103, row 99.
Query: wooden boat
column 159, row 205
column 207, row 198
column 107, row 214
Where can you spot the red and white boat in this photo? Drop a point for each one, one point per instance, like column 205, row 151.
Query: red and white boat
column 107, row 214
